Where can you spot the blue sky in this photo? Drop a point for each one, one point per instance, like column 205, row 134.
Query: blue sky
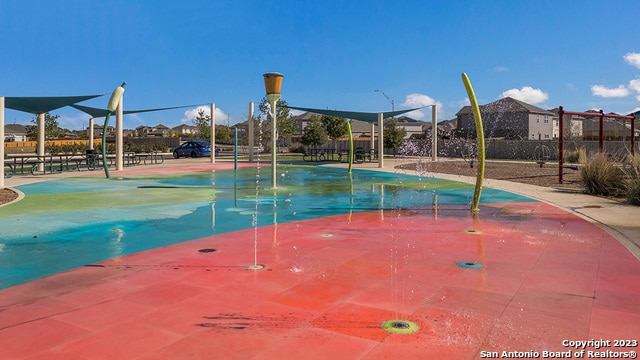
column 334, row 54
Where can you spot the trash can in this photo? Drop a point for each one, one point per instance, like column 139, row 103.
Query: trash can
column 91, row 159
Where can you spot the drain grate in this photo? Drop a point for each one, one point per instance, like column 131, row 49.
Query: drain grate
column 472, row 231
column 207, row 250
column 470, row 265
column 400, row 326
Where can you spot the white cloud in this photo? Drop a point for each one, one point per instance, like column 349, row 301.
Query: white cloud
column 633, row 59
column 527, row 94
column 189, row 115
column 419, row 100
column 635, row 85
column 500, row 68
column 75, row 122
column 602, row 91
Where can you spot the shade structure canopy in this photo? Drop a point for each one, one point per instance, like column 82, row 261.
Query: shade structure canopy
column 370, row 117
column 43, row 104
column 98, row 113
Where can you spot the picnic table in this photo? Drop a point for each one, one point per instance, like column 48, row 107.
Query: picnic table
column 322, row 155
column 55, row 163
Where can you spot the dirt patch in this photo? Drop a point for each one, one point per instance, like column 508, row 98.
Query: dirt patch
column 521, row 172
column 7, row 196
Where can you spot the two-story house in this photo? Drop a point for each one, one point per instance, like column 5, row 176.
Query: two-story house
column 510, row 119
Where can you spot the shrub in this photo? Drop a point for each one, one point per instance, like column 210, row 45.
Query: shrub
column 575, row 156
column 601, row 176
column 631, row 172
column 296, row 148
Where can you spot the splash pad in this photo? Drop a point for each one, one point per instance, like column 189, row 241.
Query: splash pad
column 334, row 285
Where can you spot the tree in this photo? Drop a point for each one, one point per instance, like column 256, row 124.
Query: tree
column 51, row 129
column 336, row 126
column 285, row 125
column 314, row 134
column 243, row 133
column 203, row 123
column 393, row 135
column 223, row 132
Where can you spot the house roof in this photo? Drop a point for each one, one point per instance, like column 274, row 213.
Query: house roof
column 358, row 126
column 183, row 126
column 15, row 129
column 506, row 104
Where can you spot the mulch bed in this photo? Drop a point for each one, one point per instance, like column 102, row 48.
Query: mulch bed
column 7, row 195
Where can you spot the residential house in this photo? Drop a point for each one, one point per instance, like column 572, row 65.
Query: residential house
column 613, row 128
column 508, row 118
column 15, row 132
column 152, row 131
column 572, row 126
column 185, row 130
column 97, row 130
column 414, row 129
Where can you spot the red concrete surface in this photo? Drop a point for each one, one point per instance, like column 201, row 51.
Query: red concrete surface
column 328, row 284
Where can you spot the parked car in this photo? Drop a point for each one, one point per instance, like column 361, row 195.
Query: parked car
column 194, row 148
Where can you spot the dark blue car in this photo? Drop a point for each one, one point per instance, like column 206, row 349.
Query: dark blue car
column 194, row 148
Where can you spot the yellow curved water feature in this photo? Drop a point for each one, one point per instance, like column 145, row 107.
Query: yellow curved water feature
column 480, row 136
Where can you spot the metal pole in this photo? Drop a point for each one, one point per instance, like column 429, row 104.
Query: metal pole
column 560, row 142
column 119, row 144
column 1, row 142
column 601, row 130
column 273, row 141
column 434, row 134
column 212, row 137
column 372, row 142
column 235, row 150
column 250, row 130
column 41, row 137
column 633, row 134
column 380, row 140
column 91, row 135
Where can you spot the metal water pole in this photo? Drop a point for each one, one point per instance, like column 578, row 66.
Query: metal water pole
column 119, row 142
column 235, row 149
column 250, row 131
column 273, row 85
column 212, row 137
column 112, row 105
